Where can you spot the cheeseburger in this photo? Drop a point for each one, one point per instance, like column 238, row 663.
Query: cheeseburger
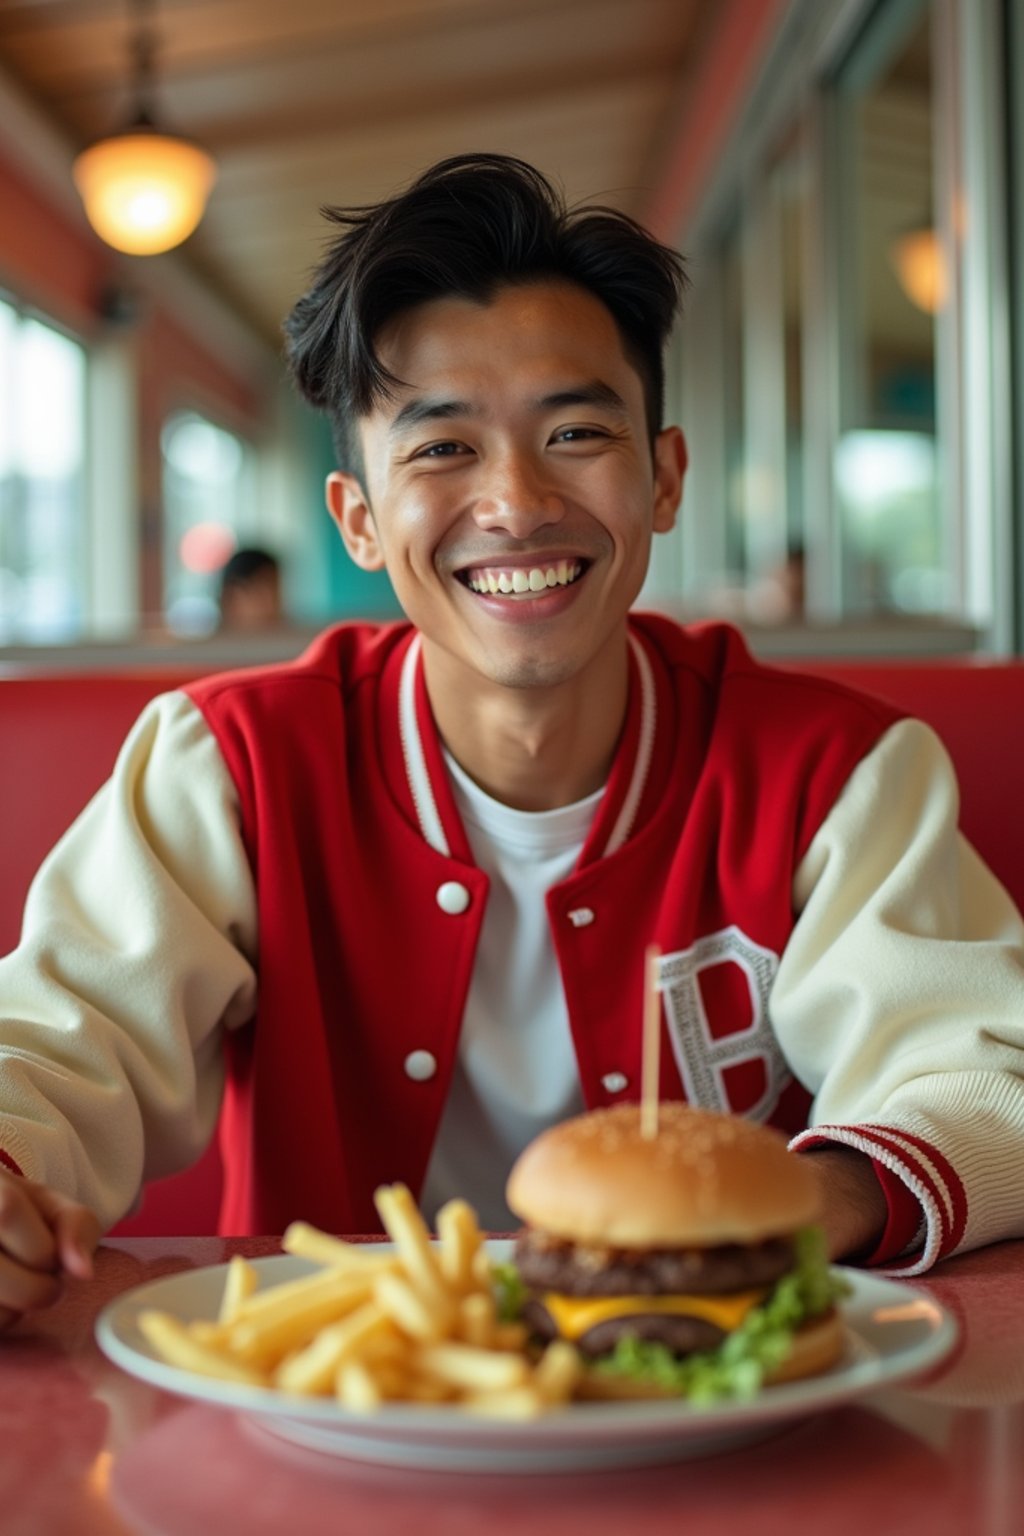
column 684, row 1263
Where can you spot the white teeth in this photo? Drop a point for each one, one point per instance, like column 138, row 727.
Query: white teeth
column 521, row 580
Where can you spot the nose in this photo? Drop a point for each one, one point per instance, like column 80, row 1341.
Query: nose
column 516, row 497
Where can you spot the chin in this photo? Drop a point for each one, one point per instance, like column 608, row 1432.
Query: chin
column 531, row 672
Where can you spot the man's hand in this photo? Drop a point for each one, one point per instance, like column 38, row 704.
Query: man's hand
column 853, row 1205
column 42, row 1235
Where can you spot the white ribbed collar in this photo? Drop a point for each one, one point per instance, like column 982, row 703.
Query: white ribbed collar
column 422, row 790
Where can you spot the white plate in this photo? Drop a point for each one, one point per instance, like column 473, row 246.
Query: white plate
column 893, row 1331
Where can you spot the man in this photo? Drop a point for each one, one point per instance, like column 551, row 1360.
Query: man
column 398, row 893
column 250, row 591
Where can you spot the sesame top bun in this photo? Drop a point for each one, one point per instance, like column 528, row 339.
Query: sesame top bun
column 706, row 1179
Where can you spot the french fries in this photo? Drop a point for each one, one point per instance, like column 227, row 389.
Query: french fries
column 417, row 1324
column 239, row 1286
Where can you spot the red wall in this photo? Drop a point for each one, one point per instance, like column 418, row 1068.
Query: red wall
column 743, row 30
column 45, row 258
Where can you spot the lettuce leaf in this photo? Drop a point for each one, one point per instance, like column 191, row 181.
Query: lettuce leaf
column 740, row 1364
column 509, row 1291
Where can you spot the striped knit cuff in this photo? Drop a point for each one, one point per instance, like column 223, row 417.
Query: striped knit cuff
column 927, row 1206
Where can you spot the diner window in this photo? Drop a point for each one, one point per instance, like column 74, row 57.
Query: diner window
column 773, row 327
column 742, row 351
column 735, row 478
column 206, row 516
column 789, row 185
column 893, row 280
column 848, row 372
column 43, row 567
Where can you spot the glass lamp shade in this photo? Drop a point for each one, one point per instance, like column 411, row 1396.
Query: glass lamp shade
column 920, row 265
column 144, row 191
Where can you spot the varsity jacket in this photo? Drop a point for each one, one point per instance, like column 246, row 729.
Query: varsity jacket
column 715, row 839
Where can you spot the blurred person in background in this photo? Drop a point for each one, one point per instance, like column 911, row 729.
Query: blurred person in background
column 250, row 591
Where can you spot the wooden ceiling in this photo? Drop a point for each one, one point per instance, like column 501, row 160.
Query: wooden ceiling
column 307, row 102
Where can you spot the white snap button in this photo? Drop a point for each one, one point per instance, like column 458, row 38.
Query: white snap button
column 581, row 917
column 452, row 897
column 420, row 1066
column 614, row 1082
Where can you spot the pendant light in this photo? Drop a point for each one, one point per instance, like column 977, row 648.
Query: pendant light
column 144, row 190
column 921, row 268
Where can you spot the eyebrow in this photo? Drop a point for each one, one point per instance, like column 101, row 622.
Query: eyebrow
column 432, row 408
column 593, row 393
column 415, row 412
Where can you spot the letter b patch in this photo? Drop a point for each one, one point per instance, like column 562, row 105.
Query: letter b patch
column 716, row 1007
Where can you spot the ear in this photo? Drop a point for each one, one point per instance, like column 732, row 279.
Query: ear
column 350, row 509
column 670, row 461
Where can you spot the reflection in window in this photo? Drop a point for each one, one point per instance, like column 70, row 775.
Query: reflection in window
column 204, row 481
column 42, row 481
column 893, row 282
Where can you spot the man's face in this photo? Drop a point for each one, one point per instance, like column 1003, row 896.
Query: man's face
column 510, row 489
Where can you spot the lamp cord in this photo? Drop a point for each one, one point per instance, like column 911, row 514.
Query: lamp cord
column 143, row 48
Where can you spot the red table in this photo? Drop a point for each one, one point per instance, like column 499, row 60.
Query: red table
column 87, row 1449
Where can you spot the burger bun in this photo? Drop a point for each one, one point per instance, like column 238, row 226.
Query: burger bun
column 704, row 1180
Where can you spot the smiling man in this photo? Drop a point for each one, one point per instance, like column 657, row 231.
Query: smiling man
column 511, row 487
column 384, row 909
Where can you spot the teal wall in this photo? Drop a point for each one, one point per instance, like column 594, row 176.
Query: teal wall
column 325, row 584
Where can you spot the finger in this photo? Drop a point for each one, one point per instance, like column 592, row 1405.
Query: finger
column 77, row 1231
column 25, row 1290
column 25, row 1231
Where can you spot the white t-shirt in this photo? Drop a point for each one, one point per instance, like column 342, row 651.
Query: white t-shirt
column 516, row 1071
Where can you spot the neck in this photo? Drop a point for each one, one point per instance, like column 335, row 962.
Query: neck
column 534, row 749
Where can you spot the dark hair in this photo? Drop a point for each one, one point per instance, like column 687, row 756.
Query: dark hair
column 469, row 226
column 244, row 564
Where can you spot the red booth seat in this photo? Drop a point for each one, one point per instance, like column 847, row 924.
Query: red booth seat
column 60, row 736
column 977, row 708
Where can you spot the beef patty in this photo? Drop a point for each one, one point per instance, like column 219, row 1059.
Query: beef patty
column 552, row 1264
column 682, row 1335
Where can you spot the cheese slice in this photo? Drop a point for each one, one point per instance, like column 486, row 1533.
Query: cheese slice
column 575, row 1315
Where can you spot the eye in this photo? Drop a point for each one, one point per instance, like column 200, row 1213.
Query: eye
column 577, row 434
column 445, row 450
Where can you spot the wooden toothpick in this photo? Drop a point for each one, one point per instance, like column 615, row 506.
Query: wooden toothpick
column 651, row 1065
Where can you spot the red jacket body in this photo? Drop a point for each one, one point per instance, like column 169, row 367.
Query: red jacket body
column 724, row 773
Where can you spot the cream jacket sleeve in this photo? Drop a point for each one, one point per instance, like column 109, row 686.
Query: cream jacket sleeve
column 137, row 950
column 900, row 998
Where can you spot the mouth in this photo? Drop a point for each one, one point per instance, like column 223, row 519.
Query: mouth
column 522, row 582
